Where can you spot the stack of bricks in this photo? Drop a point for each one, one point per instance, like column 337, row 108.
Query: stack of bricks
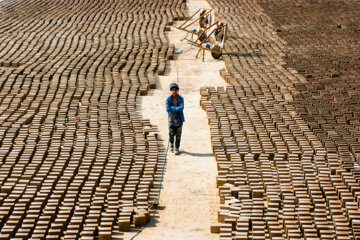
column 278, row 176
column 77, row 160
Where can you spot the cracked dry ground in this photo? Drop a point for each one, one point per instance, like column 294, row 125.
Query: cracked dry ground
column 78, row 161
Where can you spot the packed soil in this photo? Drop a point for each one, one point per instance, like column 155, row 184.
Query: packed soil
column 189, row 199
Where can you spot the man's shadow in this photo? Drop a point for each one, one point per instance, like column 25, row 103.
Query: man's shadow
column 197, row 154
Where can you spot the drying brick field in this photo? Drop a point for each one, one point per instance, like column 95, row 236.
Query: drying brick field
column 75, row 156
column 78, row 160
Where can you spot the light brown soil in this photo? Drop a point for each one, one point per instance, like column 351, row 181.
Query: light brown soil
column 189, row 195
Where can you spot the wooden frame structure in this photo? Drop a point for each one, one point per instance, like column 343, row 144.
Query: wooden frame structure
column 209, row 36
column 214, row 42
column 204, row 20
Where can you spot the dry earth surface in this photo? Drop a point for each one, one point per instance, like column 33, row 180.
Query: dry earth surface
column 189, row 198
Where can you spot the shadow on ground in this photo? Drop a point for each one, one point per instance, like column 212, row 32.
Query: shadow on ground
column 237, row 54
column 197, row 154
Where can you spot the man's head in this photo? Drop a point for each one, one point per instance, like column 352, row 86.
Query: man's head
column 174, row 88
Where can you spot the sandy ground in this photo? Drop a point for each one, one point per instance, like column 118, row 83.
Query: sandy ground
column 188, row 200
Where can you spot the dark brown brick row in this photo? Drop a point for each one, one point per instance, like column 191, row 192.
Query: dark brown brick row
column 281, row 168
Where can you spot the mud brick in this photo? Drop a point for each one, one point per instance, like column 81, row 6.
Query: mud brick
column 143, row 211
column 4, row 236
column 6, row 64
column 72, row 230
column 257, row 193
column 161, row 68
column 105, row 233
column 139, row 219
column 70, row 236
column 38, row 233
column 258, row 237
column 124, row 224
column 53, row 237
column 7, row 188
column 215, row 227
column 106, row 222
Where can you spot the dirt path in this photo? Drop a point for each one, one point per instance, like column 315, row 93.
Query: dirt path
column 189, row 195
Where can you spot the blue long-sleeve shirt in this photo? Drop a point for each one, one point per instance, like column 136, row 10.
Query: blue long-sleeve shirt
column 175, row 111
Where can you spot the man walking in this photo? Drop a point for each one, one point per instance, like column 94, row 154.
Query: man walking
column 175, row 107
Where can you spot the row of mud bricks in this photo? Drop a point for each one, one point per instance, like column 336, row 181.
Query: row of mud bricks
column 77, row 160
column 285, row 132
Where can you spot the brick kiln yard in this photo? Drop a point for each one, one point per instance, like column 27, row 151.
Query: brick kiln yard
column 270, row 146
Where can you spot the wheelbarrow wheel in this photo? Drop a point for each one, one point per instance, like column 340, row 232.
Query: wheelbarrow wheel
column 216, row 55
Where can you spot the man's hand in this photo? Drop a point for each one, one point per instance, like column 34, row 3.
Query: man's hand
column 179, row 108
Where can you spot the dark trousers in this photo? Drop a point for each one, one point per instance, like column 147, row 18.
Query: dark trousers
column 175, row 132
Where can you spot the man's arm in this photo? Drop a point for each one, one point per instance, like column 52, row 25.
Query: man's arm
column 181, row 106
column 169, row 108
